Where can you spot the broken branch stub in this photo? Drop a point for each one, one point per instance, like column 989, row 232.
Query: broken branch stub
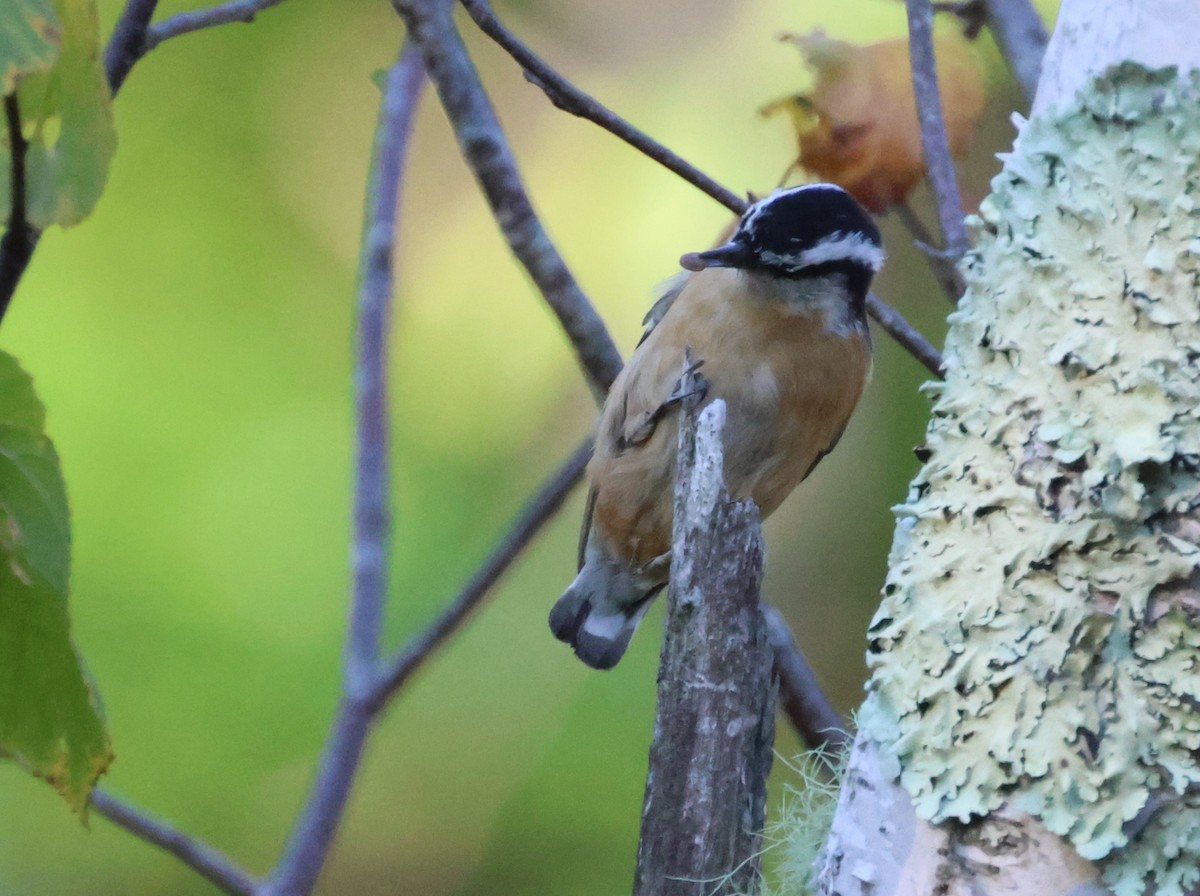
column 705, row 797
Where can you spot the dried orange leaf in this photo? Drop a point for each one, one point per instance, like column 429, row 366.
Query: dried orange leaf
column 857, row 126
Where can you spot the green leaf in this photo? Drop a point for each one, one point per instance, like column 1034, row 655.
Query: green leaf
column 50, row 718
column 66, row 114
column 29, row 33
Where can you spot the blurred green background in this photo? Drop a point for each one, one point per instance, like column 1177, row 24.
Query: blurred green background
column 192, row 344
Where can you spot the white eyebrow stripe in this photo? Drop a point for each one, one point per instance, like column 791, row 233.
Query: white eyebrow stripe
column 854, row 247
column 747, row 222
column 845, row 246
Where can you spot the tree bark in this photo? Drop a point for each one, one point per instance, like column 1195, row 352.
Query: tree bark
column 706, row 788
column 1031, row 724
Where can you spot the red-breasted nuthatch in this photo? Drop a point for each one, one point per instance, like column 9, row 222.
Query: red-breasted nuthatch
column 777, row 318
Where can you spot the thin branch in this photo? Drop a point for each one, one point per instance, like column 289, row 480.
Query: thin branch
column 16, row 248
column 895, row 325
column 208, row 862
column 313, row 834
column 570, row 98
column 223, row 14
column 487, row 152
column 938, row 163
column 1022, row 37
column 944, row 270
column 807, row 707
column 538, row 509
column 128, row 42
column 970, row 13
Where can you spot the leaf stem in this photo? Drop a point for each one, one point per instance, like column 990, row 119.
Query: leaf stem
column 19, row 241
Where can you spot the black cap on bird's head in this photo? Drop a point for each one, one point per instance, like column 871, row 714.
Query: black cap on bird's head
column 799, row 231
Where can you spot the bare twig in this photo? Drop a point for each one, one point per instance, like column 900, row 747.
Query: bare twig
column 566, row 96
column 938, row 163
column 128, row 42
column 134, row 36
column 944, row 270
column 1022, row 37
column 806, row 706
column 570, row 98
column 487, row 152
column 16, row 248
column 187, row 22
column 971, row 14
column 313, row 834
column 894, row 323
column 538, row 509
column 211, row 864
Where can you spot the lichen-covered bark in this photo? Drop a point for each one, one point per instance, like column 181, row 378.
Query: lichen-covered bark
column 715, row 726
column 1038, row 646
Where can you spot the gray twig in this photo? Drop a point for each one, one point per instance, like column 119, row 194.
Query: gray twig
column 896, row 326
column 134, row 36
column 187, row 22
column 538, row 509
column 569, row 98
column 944, row 270
column 1022, row 37
column 313, row 833
column 806, row 706
column 211, row 864
column 705, row 798
column 487, row 152
column 938, row 163
column 128, row 42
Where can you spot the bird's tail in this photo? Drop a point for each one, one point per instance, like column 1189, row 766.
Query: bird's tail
column 599, row 612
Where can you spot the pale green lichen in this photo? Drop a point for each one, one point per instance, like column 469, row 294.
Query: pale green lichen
column 1039, row 639
column 795, row 840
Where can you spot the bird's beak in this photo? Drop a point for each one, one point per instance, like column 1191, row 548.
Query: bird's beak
column 731, row 255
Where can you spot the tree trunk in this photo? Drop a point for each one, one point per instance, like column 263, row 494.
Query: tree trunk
column 1031, row 725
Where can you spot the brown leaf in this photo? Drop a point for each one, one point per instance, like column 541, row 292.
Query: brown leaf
column 857, row 127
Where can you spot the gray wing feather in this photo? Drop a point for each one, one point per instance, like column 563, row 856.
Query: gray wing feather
column 659, row 309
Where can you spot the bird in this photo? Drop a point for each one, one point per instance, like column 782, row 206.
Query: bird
column 775, row 319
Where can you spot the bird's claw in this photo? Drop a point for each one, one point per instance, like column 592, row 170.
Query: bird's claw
column 691, row 383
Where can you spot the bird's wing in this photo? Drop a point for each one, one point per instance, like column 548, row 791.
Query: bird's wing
column 585, row 529
column 671, row 290
column 622, row 426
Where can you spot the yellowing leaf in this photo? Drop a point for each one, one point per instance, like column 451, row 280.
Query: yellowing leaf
column 29, row 34
column 66, row 114
column 857, row 126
